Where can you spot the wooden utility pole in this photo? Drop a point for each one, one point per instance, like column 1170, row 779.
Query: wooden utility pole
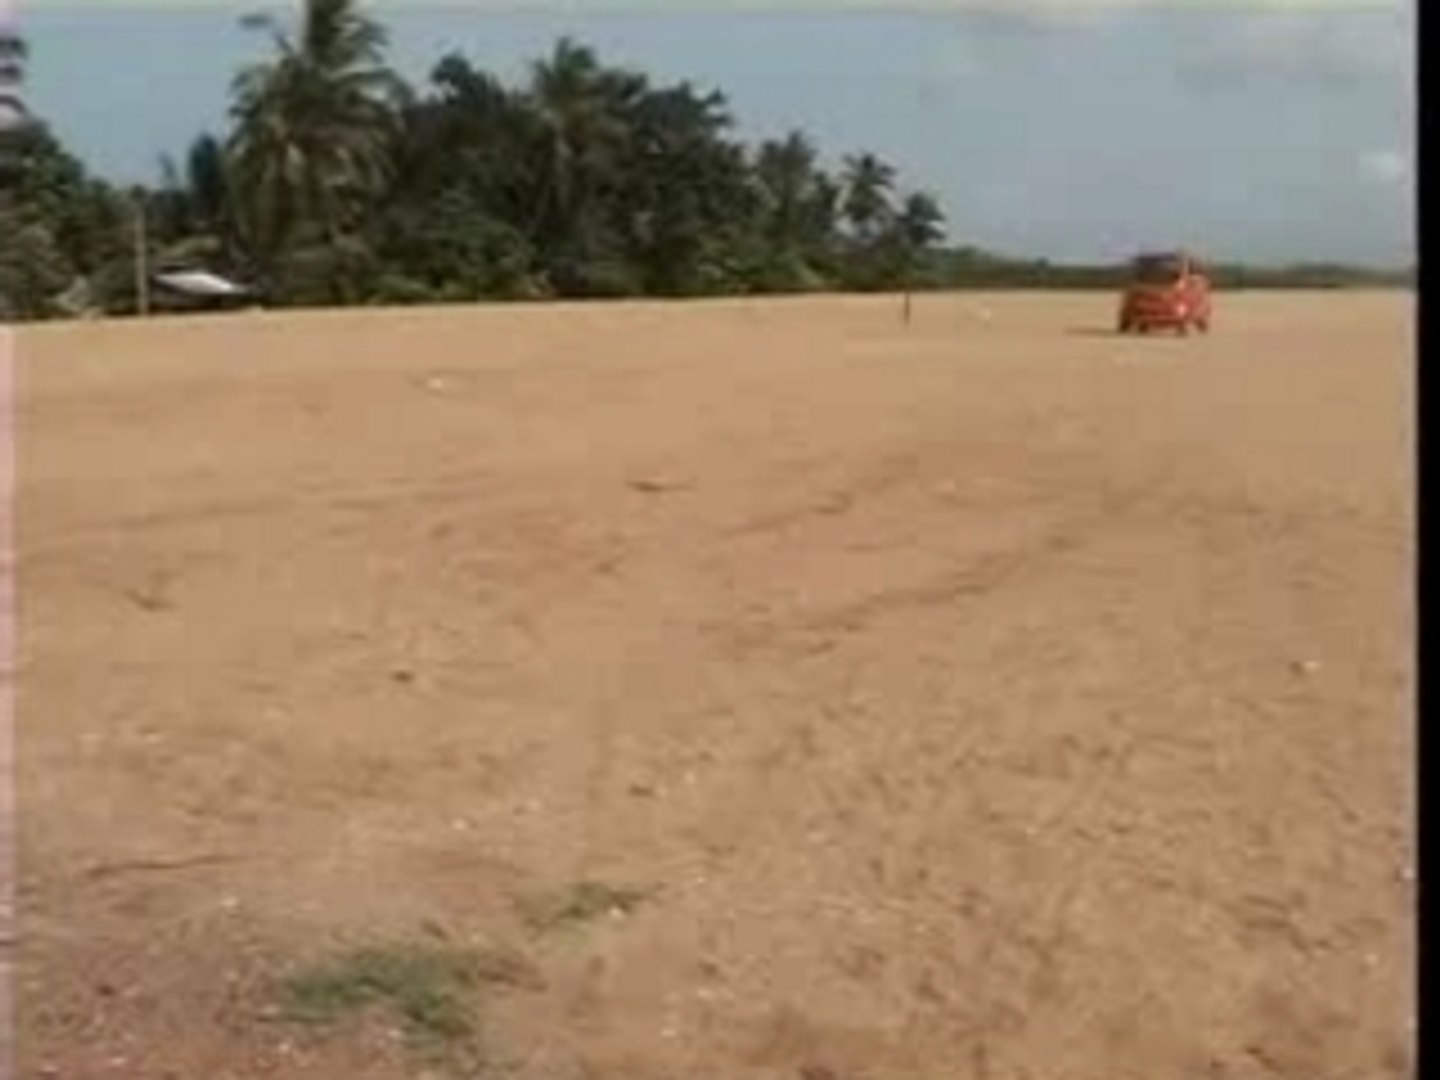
column 907, row 279
column 142, row 271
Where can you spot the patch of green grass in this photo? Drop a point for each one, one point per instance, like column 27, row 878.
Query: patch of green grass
column 428, row 987
column 579, row 903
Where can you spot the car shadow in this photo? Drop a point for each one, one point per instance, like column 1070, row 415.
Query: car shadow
column 1092, row 331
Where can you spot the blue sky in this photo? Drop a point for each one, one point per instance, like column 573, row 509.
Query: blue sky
column 1263, row 129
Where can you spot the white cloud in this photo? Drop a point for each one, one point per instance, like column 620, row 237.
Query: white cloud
column 1072, row 12
column 1334, row 44
column 1361, row 46
column 1385, row 168
column 1326, row 48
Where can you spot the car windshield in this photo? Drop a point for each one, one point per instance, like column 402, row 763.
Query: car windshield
column 1156, row 269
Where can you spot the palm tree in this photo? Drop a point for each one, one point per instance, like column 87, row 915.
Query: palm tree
column 919, row 224
column 192, row 213
column 920, row 221
column 868, row 182
column 313, row 127
column 13, row 53
column 15, row 119
column 574, row 99
column 787, row 171
column 207, row 180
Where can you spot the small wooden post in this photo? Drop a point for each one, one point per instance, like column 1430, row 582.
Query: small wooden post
column 142, row 273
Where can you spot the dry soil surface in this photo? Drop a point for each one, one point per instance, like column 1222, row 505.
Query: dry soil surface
column 988, row 699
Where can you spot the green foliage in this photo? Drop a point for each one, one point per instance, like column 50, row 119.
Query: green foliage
column 868, row 183
column 56, row 223
column 578, row 904
column 310, row 150
column 432, row 988
column 316, row 269
column 427, row 986
column 33, row 267
column 13, row 52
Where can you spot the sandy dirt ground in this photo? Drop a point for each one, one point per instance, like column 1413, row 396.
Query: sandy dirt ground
column 992, row 699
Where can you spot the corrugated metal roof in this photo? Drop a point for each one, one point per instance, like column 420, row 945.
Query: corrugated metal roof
column 200, row 283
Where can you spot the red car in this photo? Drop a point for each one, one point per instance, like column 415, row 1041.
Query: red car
column 1166, row 291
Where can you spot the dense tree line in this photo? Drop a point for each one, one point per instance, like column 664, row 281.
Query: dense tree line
column 55, row 221
column 336, row 182
column 961, row 268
